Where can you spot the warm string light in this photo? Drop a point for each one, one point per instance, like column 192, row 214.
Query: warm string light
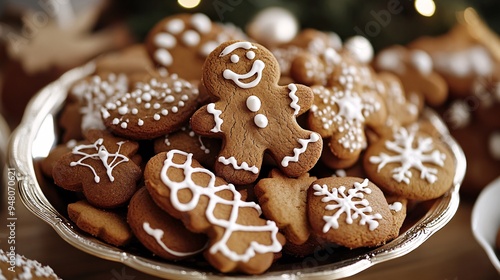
column 425, row 7
column 189, row 4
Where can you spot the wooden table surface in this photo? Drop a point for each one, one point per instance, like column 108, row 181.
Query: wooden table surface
column 450, row 254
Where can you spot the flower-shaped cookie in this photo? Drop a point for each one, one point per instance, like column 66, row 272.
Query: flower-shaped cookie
column 102, row 169
column 254, row 114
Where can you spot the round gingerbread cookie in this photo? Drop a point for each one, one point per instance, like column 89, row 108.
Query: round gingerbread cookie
column 180, row 43
column 411, row 164
column 159, row 232
column 157, row 104
column 349, row 211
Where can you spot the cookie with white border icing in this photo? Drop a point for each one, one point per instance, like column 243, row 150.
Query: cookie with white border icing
column 101, row 168
column 254, row 114
column 239, row 240
column 159, row 232
column 181, row 42
column 411, row 164
column 156, row 104
column 349, row 211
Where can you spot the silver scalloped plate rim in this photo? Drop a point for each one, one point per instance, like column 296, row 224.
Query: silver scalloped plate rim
column 50, row 99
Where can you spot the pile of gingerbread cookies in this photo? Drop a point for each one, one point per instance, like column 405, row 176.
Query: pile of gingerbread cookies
column 202, row 143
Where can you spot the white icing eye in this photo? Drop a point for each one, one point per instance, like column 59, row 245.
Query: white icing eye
column 235, row 58
column 250, row 55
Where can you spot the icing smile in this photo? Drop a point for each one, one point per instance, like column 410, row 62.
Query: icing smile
column 257, row 67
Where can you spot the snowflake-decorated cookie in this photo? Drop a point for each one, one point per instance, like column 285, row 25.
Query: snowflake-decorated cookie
column 341, row 114
column 85, row 100
column 180, row 43
column 349, row 211
column 416, row 71
column 204, row 149
column 411, row 164
column 154, row 106
column 102, row 169
column 254, row 114
column 159, row 232
column 239, row 240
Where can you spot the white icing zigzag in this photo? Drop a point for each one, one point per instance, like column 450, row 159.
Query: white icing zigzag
column 298, row 151
column 216, row 113
column 210, row 191
column 295, row 100
column 234, row 163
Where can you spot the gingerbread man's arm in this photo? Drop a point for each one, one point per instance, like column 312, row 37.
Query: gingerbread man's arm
column 301, row 98
column 206, row 121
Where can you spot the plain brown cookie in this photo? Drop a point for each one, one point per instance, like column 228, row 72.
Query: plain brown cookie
column 102, row 169
column 55, row 154
column 15, row 266
column 157, row 104
column 132, row 59
column 254, row 115
column 106, row 225
column 161, row 233
column 349, row 211
column 239, row 240
column 411, row 164
column 283, row 200
column 204, row 150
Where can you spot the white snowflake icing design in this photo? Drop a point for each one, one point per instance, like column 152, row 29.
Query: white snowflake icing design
column 410, row 157
column 101, row 154
column 352, row 203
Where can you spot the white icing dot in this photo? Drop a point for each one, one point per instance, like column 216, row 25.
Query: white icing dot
column 360, row 48
column 169, row 99
column 235, row 58
column 146, row 97
column 156, row 106
column 184, row 97
column 253, row 103
column 181, row 104
column 175, row 26
column 135, row 111
column 123, row 110
column 422, row 61
column 250, row 55
column 163, row 57
column 156, row 117
column 164, row 112
column 175, row 109
column 123, row 125
column 147, row 105
column 116, row 121
column 201, row 23
column 165, row 40
column 191, row 38
column 260, row 120
column 140, row 122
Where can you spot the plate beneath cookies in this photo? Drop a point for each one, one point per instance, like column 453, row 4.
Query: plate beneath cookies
column 37, row 135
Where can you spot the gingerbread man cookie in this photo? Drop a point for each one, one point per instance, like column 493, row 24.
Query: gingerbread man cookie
column 102, row 168
column 254, row 114
column 180, row 43
column 239, row 240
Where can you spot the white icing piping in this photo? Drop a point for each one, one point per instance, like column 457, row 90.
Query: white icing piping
column 216, row 113
column 298, row 151
column 257, row 68
column 157, row 234
column 210, row 190
column 295, row 100
column 234, row 163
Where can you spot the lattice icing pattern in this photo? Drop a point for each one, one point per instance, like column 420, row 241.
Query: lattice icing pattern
column 230, row 225
column 410, row 153
column 353, row 203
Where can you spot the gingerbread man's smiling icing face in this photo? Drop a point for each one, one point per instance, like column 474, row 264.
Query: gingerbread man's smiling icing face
column 254, row 114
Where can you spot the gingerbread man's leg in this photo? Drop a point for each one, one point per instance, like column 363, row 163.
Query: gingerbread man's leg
column 299, row 156
column 236, row 165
